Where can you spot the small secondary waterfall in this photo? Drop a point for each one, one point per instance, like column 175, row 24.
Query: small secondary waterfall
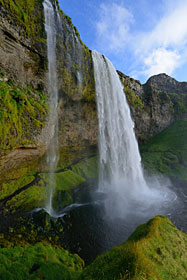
column 52, row 155
column 120, row 161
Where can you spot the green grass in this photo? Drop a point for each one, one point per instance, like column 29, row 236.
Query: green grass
column 167, row 151
column 38, row 262
column 156, row 250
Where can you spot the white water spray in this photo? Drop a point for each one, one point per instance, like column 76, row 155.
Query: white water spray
column 121, row 175
column 52, row 155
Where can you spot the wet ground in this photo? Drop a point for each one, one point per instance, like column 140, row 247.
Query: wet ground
column 89, row 231
column 97, row 220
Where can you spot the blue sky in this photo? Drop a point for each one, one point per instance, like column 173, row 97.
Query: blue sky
column 141, row 38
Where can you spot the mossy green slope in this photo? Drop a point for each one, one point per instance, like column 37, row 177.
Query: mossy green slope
column 155, row 251
column 71, row 178
column 167, row 151
column 66, row 179
column 27, row 199
column 22, row 114
column 38, row 262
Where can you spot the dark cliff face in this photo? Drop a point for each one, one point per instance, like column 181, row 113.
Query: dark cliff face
column 23, row 82
column 175, row 91
column 23, row 101
column 22, row 48
column 23, row 62
column 156, row 104
column 77, row 108
column 167, row 84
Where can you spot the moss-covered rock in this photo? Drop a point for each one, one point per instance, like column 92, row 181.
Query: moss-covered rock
column 28, row 190
column 132, row 98
column 23, row 194
column 156, row 250
column 29, row 16
column 22, row 115
column 66, row 180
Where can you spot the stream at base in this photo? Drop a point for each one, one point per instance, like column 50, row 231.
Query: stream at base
column 89, row 232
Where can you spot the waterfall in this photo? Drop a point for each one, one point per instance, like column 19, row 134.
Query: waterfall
column 120, row 161
column 52, row 154
column 121, row 176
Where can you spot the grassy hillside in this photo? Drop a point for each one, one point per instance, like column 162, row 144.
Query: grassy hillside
column 167, row 151
column 38, row 262
column 156, row 250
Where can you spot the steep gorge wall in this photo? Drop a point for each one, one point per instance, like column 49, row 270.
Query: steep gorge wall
column 77, row 107
column 23, row 84
column 23, row 106
column 156, row 104
column 24, row 133
column 22, row 47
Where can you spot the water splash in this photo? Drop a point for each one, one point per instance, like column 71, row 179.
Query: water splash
column 52, row 154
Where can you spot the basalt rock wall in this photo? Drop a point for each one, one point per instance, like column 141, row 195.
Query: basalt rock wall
column 24, row 128
column 156, row 104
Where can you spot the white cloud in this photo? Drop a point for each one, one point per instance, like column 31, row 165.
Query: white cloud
column 162, row 49
column 113, row 26
column 171, row 30
column 161, row 61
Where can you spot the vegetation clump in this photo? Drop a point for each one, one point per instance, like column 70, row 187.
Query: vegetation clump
column 156, row 250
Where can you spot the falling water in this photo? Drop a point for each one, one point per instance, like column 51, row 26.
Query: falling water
column 121, row 175
column 52, row 155
column 119, row 154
